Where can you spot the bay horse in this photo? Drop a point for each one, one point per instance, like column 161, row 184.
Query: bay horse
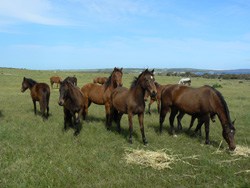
column 55, row 79
column 100, row 94
column 39, row 92
column 199, row 102
column 71, row 79
column 100, row 80
column 131, row 101
column 159, row 88
column 72, row 100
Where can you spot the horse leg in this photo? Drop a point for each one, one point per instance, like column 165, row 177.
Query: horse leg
column 77, row 122
column 141, row 117
column 207, row 122
column 198, row 127
column 163, row 113
column 179, row 118
column 193, row 117
column 107, row 110
column 171, row 120
column 34, row 103
column 118, row 121
column 67, row 119
column 158, row 105
column 130, row 116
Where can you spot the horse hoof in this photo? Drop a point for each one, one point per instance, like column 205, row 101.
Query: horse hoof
column 174, row 135
column 76, row 133
column 130, row 141
column 207, row 142
column 145, row 142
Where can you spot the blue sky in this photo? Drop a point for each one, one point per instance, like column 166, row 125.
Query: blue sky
column 89, row 34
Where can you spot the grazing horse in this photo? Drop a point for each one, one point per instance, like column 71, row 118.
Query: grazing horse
column 159, row 88
column 198, row 102
column 55, row 79
column 71, row 79
column 39, row 92
column 131, row 101
column 100, row 80
column 185, row 81
column 100, row 94
column 72, row 100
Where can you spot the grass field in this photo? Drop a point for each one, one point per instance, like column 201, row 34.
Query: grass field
column 37, row 153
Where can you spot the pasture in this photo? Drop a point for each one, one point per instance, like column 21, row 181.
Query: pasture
column 37, row 153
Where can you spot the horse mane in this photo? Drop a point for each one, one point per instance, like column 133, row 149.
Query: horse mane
column 222, row 100
column 157, row 84
column 134, row 82
column 31, row 81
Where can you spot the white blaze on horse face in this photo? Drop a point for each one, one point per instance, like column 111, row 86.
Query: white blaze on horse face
column 152, row 77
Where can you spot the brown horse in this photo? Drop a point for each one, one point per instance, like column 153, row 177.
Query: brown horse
column 39, row 92
column 71, row 79
column 55, row 79
column 159, row 88
column 131, row 101
column 100, row 80
column 100, row 94
column 72, row 100
column 198, row 102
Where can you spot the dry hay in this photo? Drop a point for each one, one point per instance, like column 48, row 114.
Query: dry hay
column 158, row 160
column 241, row 151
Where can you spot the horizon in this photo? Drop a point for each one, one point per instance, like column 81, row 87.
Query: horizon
column 99, row 34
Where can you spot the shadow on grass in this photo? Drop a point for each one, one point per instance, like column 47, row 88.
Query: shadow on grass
column 1, row 114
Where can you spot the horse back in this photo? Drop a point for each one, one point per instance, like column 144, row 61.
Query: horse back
column 94, row 92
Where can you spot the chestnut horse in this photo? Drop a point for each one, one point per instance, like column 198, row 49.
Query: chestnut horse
column 55, row 79
column 100, row 80
column 198, row 102
column 72, row 100
column 159, row 88
column 131, row 101
column 39, row 92
column 100, row 94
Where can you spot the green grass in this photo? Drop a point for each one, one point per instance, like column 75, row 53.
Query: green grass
column 34, row 153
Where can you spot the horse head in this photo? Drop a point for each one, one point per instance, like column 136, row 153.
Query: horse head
column 116, row 77
column 148, row 82
column 63, row 91
column 228, row 134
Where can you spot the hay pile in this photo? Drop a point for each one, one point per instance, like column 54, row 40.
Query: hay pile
column 156, row 159
column 242, row 151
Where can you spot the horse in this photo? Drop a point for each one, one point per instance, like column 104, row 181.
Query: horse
column 100, row 94
column 185, row 81
column 159, row 88
column 131, row 101
column 39, row 92
column 200, row 102
column 55, row 79
column 72, row 100
column 71, row 79
column 100, row 80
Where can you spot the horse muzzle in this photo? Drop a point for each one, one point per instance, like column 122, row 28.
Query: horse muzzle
column 61, row 102
column 153, row 95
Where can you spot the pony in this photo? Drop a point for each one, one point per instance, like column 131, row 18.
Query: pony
column 72, row 100
column 39, row 92
column 185, row 81
column 55, row 79
column 198, row 102
column 131, row 101
column 100, row 80
column 159, row 88
column 71, row 79
column 100, row 94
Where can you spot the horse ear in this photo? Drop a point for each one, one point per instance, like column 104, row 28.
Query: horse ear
column 24, row 78
column 153, row 71
column 121, row 69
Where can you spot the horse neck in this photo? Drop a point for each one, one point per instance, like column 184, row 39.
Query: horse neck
column 31, row 84
column 73, row 95
column 139, row 93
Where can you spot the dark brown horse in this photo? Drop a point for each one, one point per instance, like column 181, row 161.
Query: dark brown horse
column 100, row 94
column 131, row 101
column 39, row 92
column 71, row 79
column 56, row 80
column 100, row 80
column 72, row 100
column 198, row 102
column 159, row 88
